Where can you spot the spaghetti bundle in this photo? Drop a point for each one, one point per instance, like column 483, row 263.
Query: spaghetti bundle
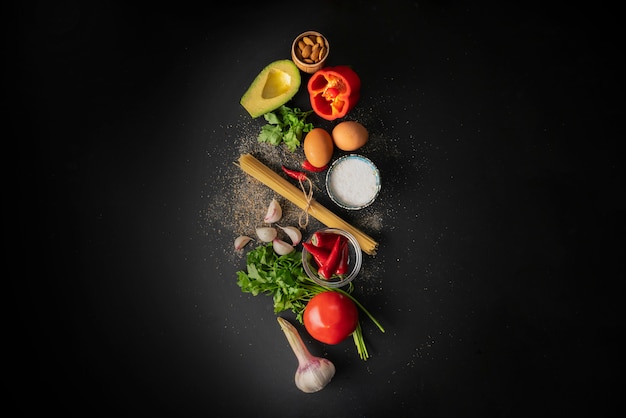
column 280, row 185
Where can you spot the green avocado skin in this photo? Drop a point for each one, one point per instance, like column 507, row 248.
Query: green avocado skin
column 274, row 86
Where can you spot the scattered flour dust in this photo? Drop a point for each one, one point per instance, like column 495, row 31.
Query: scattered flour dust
column 236, row 202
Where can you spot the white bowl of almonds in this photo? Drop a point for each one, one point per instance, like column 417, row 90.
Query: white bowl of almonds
column 309, row 51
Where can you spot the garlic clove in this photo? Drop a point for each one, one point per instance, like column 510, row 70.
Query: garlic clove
column 293, row 233
column 274, row 212
column 266, row 233
column 241, row 242
column 281, row 247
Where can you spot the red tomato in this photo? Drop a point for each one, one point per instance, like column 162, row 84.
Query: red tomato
column 330, row 317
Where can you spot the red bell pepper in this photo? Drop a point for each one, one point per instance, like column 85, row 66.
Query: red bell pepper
column 334, row 91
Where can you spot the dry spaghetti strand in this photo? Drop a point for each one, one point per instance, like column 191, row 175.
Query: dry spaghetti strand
column 303, row 200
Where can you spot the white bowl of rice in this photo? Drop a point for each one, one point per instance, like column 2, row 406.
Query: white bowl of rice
column 353, row 182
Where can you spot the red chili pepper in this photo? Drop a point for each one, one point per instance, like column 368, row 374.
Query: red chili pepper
column 320, row 254
column 298, row 175
column 324, row 239
column 310, row 167
column 334, row 91
column 342, row 268
column 330, row 267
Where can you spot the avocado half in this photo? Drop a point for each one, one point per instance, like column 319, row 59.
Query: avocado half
column 275, row 85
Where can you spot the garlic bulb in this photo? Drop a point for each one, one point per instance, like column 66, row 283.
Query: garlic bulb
column 313, row 373
column 274, row 212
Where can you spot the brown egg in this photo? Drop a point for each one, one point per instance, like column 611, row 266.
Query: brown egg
column 318, row 147
column 349, row 135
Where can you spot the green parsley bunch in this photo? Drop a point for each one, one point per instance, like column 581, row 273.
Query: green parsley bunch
column 284, row 279
column 285, row 125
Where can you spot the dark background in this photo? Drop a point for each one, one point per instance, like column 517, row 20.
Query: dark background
column 502, row 196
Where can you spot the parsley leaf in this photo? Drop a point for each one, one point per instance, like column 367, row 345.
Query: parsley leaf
column 285, row 125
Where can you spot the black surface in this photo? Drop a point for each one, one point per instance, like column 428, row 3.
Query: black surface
column 502, row 214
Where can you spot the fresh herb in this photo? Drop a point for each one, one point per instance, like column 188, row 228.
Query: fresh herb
column 284, row 278
column 285, row 125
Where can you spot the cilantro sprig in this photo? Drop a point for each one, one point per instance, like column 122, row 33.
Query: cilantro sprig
column 285, row 125
column 284, row 278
